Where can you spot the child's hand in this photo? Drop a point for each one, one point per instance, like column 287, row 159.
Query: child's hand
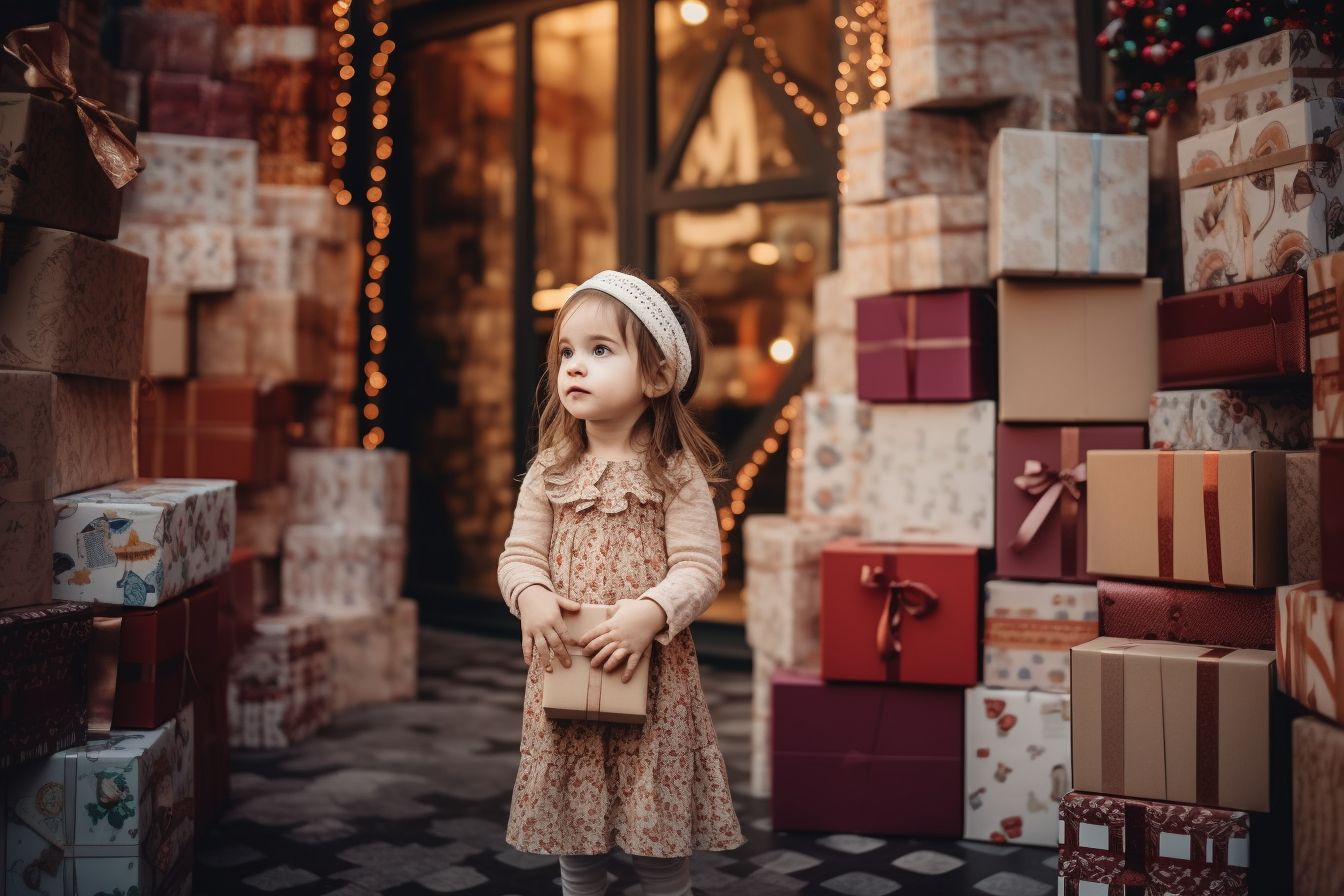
column 625, row 636
column 543, row 627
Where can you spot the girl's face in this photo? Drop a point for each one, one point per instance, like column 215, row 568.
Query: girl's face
column 598, row 379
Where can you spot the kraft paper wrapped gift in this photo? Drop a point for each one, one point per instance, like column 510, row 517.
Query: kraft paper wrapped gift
column 70, row 304
column 142, row 542
column 308, row 211
column 1215, row 419
column 875, row 759
column 197, row 257
column 783, row 585
column 1263, row 74
column 966, row 53
column 24, row 551
column 927, row 347
column 1223, row 617
column 1256, row 197
column 923, row 602
column 1068, row 205
column 865, row 249
column 276, row 335
column 44, row 679
column 115, row 815
column 582, row 692
column 833, row 359
column 349, row 485
column 280, row 685
column 1041, row 497
column 338, row 567
column 198, row 105
column 1145, row 846
column 1077, row 352
column 1242, row 332
column 889, row 154
column 50, row 175
column 928, row 475
column 215, row 429
column 1029, row 628
column 826, row 450
column 1206, row 517
column 1309, row 643
column 1303, row 486
column 1318, row 817
column 167, row 333
column 1207, row 745
column 189, row 179
column 1017, row 765
column 1325, row 309
column 163, row 40
column 367, row 651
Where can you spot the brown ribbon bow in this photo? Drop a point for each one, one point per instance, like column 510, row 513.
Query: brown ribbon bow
column 903, row 596
column 45, row 50
column 1050, row 485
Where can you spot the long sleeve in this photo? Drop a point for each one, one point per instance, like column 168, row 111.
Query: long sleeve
column 526, row 558
column 694, row 557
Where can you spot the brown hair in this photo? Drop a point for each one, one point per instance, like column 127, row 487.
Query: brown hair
column 668, row 428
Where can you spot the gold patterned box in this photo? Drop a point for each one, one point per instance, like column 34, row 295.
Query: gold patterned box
column 1263, row 74
column 277, row 335
column 1262, row 197
column 826, row 450
column 349, row 485
column 889, row 154
column 189, row 179
column 1068, row 205
column 966, row 53
column 335, row 569
column 279, row 689
column 197, row 257
column 1325, row 310
column 371, row 655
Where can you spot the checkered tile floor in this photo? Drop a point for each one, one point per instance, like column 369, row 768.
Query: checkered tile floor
column 412, row 799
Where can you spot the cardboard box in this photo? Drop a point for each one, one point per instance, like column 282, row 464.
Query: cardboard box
column 889, row 154
column 44, row 679
column 1302, row 476
column 189, row 179
column 165, row 40
column 1325, row 309
column 1266, row 73
column 195, row 257
column 1218, row 419
column 279, row 690
column 1309, row 643
column 1068, row 205
column 167, row 334
column 1331, row 479
column 1029, row 628
column 1183, row 614
column 1154, row 517
column 1074, row 352
column 277, row 335
column 927, row 347
column 1318, row 822
column 1262, row 232
column 876, row 760
column 923, row 602
column 1017, row 765
column 349, row 485
column 582, row 692
column 827, row 444
column 951, row 500
column 1208, row 744
column 198, row 105
column 215, row 429
column 336, row 568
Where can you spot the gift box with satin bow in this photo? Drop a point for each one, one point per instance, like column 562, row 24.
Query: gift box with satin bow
column 1309, row 643
column 44, row 680
column 1318, row 779
column 889, row 154
column 1223, row 617
column 900, row 613
column 865, row 759
column 927, row 347
column 1017, row 765
column 1029, row 628
column 1266, row 73
column 1181, row 722
column 279, row 689
column 1041, row 497
column 1325, row 309
column 1217, row 419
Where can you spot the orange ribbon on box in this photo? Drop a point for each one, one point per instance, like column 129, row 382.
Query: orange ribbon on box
column 1166, row 502
column 1063, row 487
column 903, row 596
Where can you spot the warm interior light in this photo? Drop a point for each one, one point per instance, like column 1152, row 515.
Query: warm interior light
column 694, row 12
column 763, row 253
column 552, row 299
column 781, row 350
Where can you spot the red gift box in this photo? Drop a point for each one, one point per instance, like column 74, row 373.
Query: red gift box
column 215, row 429
column 1241, row 619
column 900, row 613
column 868, row 759
column 1332, row 515
column 1233, row 334
column 196, row 105
column 44, row 682
column 927, row 347
column 237, row 603
column 1041, row 497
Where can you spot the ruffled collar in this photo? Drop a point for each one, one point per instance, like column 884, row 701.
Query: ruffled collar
column 597, row 482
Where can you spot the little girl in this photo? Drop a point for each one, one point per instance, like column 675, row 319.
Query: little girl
column 616, row 510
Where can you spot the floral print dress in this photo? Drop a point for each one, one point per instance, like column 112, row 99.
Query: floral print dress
column 597, row 533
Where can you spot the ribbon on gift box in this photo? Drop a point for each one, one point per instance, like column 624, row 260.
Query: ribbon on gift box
column 911, row 344
column 902, row 596
column 1308, row 152
column 1302, row 660
column 1326, row 316
column 1166, row 502
column 1062, row 487
column 45, row 50
column 1265, row 79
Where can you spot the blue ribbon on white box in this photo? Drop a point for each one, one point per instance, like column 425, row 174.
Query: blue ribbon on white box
column 1094, row 235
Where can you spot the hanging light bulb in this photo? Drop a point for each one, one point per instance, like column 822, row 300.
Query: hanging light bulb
column 694, row 12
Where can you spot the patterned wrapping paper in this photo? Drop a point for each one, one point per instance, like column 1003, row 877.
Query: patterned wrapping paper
column 167, row 333
column 826, row 451
column 335, row 568
column 1045, row 110
column 1213, row 419
column 967, row 52
column 70, row 304
column 277, row 335
column 198, row 105
column 865, row 251
column 44, row 679
column 273, row 259
column 1029, row 628
column 1068, row 205
column 938, row 242
column 369, row 653
column 834, row 370
column 280, row 684
column 111, row 816
column 48, row 173
column 1223, row 617
column 1325, row 309
column 889, row 154
column 143, row 541
column 783, row 584
column 928, row 474
column 832, row 307
column 1017, row 765
column 308, row 211
column 1180, row 850
column 24, row 551
column 1318, row 824
column 1261, row 75
column 1272, row 220
column 290, row 172
column 1309, row 645
column 1302, row 473
column 165, row 40
column 189, row 179
column 198, row 257
column 349, row 485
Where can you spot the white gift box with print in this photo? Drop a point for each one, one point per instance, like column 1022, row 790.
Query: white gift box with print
column 865, row 249
column 1018, row 765
column 335, row 569
column 826, row 448
column 196, row 257
column 890, row 154
column 833, row 360
column 1029, row 628
column 190, row 179
column 1266, row 73
column 348, row 485
column 143, row 541
column 928, row 474
column 279, row 689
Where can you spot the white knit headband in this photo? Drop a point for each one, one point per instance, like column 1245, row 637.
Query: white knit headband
column 653, row 312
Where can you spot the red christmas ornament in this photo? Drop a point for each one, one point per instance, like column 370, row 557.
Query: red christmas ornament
column 1153, row 117
column 1180, row 10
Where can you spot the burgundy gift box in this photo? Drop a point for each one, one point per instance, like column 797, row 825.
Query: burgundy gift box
column 237, row 603
column 44, row 682
column 936, row 346
column 199, row 106
column 865, row 759
column 1041, row 497
column 1233, row 334
column 1223, row 617
column 1332, row 515
column 163, row 40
